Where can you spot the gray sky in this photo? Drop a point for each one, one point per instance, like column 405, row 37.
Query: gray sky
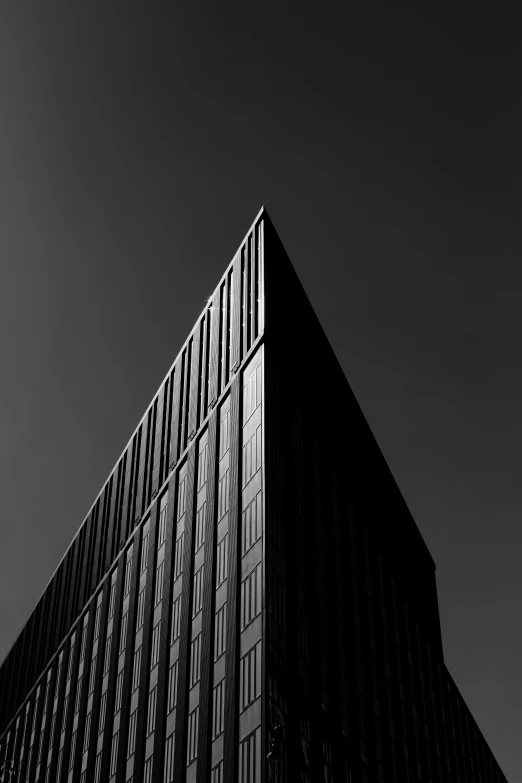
column 136, row 149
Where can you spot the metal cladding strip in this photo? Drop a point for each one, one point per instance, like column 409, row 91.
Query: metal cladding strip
column 194, row 384
column 175, row 409
column 207, row 658
column 44, row 640
column 184, row 642
column 163, row 670
column 127, row 671
column 140, row 472
column 124, row 521
column 111, row 549
column 146, row 645
column 114, row 655
column 84, row 687
column 90, row 547
column 79, row 586
column 96, row 565
column 158, row 440
column 135, row 514
column 53, row 624
column 184, row 390
column 100, row 656
column 233, row 604
column 235, row 326
column 215, row 321
column 68, row 596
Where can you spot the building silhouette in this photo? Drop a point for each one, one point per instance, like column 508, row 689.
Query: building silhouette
column 249, row 583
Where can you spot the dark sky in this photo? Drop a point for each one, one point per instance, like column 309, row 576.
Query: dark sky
column 138, row 142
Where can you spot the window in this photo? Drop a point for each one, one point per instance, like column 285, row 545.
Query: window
column 144, row 551
column 119, row 691
column 103, row 710
column 178, row 562
column 123, row 632
column 84, row 640
column 158, row 595
column 172, row 696
column 78, row 694
column 224, row 437
column 131, row 747
column 252, row 393
column 216, row 775
column 97, row 769
column 128, row 575
column 136, row 669
column 250, row 758
column 58, row 764
column 112, row 600
column 199, row 539
column 252, row 456
column 220, row 632
column 151, row 710
column 64, row 717
column 218, row 708
column 176, row 620
column 181, row 497
column 162, row 522
column 97, row 621
column 223, row 494
column 168, row 774
column 198, row 591
column 221, row 561
column 250, row 677
column 141, row 609
column 92, row 675
column 73, row 749
column 195, row 660
column 192, row 748
column 87, row 731
column 147, row 770
column 51, row 730
column 251, row 523
column 155, row 647
column 202, row 466
column 114, row 753
column 251, row 596
column 71, row 655
column 107, row 658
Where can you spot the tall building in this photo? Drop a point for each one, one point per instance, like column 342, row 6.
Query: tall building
column 248, row 583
